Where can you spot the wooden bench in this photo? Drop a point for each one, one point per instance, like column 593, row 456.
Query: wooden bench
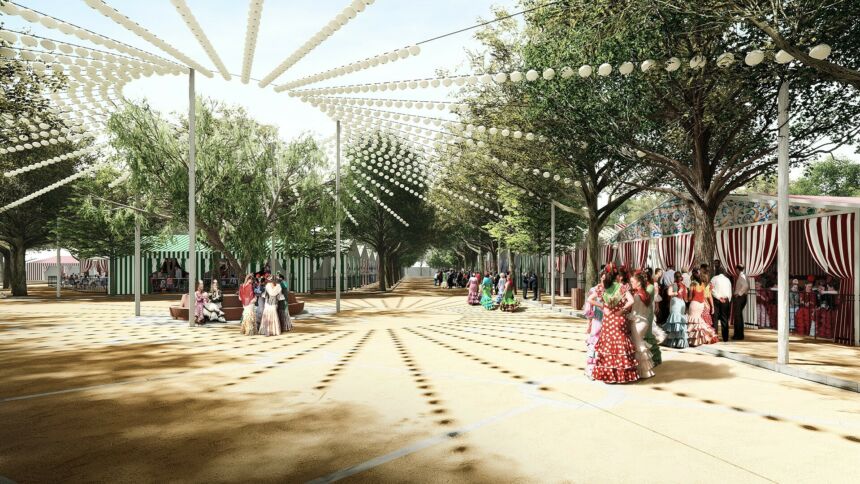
column 232, row 307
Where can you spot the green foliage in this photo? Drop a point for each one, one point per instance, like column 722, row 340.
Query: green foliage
column 838, row 177
column 442, row 258
column 250, row 185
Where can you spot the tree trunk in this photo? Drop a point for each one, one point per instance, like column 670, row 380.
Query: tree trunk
column 18, row 269
column 7, row 271
column 380, row 272
column 593, row 249
column 706, row 236
column 216, row 243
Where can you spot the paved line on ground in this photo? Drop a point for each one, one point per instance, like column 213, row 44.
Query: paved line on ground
column 420, row 445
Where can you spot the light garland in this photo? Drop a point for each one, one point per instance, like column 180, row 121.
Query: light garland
column 83, row 34
column 347, row 14
column 197, row 30
column 49, row 188
column 120, row 180
column 51, row 161
column 381, row 204
column 345, row 211
column 255, row 11
column 135, row 28
column 356, row 66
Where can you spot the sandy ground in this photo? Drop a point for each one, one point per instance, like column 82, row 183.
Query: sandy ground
column 411, row 386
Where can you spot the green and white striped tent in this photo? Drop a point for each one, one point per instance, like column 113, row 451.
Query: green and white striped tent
column 300, row 269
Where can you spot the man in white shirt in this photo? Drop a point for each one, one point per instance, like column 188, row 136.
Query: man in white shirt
column 721, row 290
column 739, row 301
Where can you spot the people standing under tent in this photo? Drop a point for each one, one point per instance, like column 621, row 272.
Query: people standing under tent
column 283, row 314
column 595, row 307
column 699, row 332
column 793, row 303
column 708, row 312
column 639, row 325
column 676, row 321
column 269, row 324
column 533, row 284
column 803, row 317
column 487, row 292
column 509, row 302
column 721, row 290
column 739, row 301
column 246, row 297
column 615, row 354
column 655, row 334
column 474, row 297
column 200, row 300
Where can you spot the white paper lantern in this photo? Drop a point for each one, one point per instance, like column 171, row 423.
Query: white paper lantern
column 549, row 73
column 585, row 71
column 673, row 64
column 566, row 72
column 725, row 59
column 754, row 58
column 516, row 76
column 604, row 70
column 500, row 77
column 697, row 62
column 820, row 52
column 783, row 57
column 532, row 75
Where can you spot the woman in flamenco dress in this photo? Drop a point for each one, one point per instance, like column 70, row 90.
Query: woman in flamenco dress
column 595, row 301
column 509, row 302
column 676, row 324
column 699, row 332
column 655, row 334
column 638, row 319
column 615, row 362
column 246, row 297
column 474, row 296
column 270, row 325
column 487, row 293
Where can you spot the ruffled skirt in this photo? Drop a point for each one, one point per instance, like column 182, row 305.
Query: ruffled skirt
column 487, row 301
column 270, row 325
column 699, row 332
column 615, row 361
column 590, row 344
column 676, row 325
column 249, row 320
column 474, row 299
column 638, row 331
column 509, row 303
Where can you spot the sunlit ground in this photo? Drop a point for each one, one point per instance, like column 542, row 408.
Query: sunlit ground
column 411, row 386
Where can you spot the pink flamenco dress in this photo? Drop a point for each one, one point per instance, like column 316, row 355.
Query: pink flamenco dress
column 474, row 298
column 699, row 331
column 594, row 314
column 616, row 360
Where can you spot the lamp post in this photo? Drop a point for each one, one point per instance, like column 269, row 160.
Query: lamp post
column 192, row 199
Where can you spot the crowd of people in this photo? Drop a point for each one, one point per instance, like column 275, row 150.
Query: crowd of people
column 264, row 305
column 492, row 292
column 632, row 313
column 85, row 281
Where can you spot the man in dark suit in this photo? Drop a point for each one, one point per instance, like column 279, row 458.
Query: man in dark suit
column 533, row 284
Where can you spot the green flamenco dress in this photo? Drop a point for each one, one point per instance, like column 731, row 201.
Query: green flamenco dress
column 487, row 294
column 509, row 302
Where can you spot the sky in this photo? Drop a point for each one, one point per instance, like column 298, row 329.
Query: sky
column 285, row 25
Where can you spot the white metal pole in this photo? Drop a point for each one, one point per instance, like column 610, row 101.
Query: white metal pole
column 59, row 264
column 552, row 255
column 192, row 199
column 782, row 228
column 137, row 275
column 337, row 224
column 273, row 258
column 856, row 294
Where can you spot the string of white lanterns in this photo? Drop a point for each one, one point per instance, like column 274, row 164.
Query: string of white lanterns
column 191, row 21
column 50, row 161
column 50, row 187
column 120, row 180
column 77, row 66
column 390, row 103
column 725, row 60
column 255, row 11
column 348, row 13
column 137, row 29
column 381, row 203
column 66, row 28
column 345, row 210
column 384, row 162
column 356, row 66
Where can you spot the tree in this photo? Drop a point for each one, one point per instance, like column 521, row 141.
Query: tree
column 379, row 156
column 798, row 25
column 442, row 258
column 99, row 222
column 26, row 115
column 701, row 131
column 837, row 177
column 248, row 181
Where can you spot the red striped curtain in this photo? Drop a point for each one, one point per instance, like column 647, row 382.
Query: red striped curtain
column 634, row 254
column 579, row 259
column 676, row 251
column 608, row 252
column 754, row 247
column 831, row 243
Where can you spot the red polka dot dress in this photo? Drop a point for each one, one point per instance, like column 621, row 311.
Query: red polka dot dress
column 615, row 362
